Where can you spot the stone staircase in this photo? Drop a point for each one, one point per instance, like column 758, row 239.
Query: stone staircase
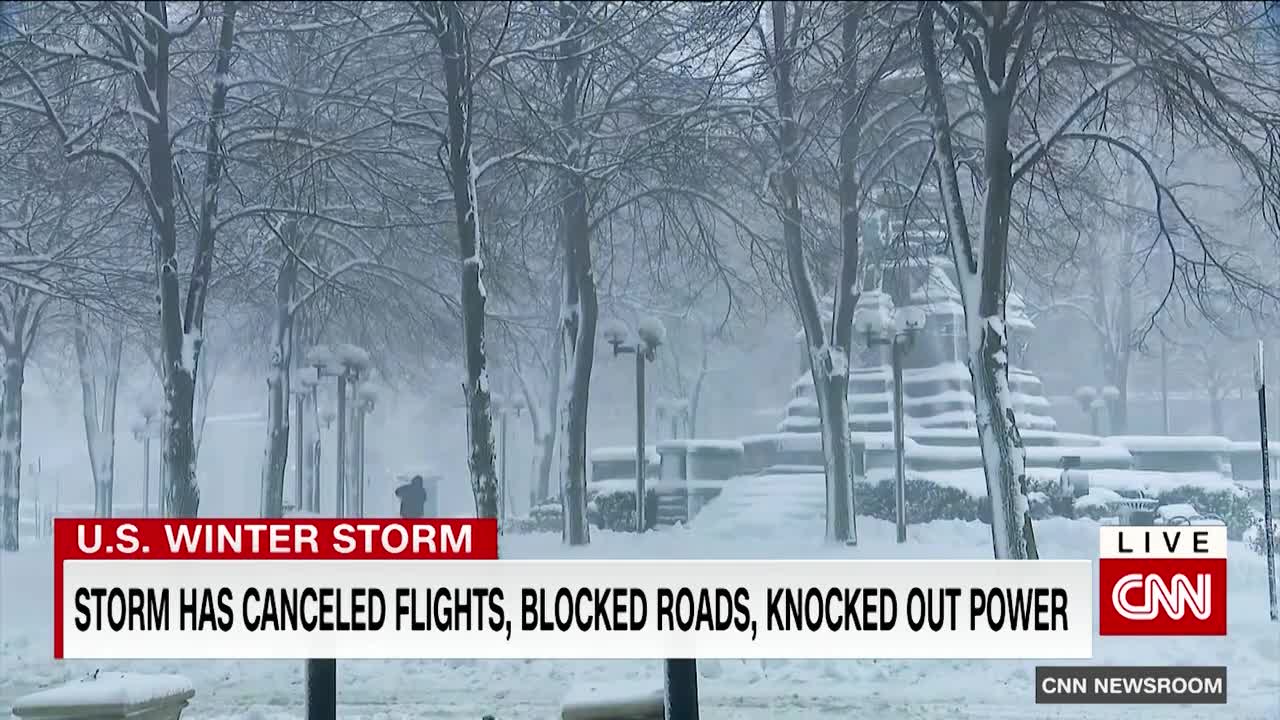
column 934, row 397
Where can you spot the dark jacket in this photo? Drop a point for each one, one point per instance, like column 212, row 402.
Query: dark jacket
column 413, row 498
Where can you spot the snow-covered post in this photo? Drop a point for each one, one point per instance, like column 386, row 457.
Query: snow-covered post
column 328, row 363
column 324, row 420
column 303, row 388
column 321, row 359
column 366, row 399
column 1268, row 522
column 1111, row 397
column 352, row 363
column 145, row 428
column 1085, row 396
column 881, row 324
column 650, row 334
column 502, row 408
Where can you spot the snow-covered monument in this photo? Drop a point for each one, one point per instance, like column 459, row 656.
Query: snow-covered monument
column 937, row 389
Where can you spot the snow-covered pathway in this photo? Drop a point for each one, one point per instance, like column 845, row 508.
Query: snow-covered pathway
column 745, row 690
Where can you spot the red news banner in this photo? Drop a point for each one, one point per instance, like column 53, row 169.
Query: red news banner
column 256, row 539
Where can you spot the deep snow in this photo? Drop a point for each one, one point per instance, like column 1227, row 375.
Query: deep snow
column 747, row 690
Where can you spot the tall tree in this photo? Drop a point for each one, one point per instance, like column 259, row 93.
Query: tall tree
column 1183, row 59
column 447, row 22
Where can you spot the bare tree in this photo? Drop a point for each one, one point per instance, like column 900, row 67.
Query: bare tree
column 447, row 22
column 1044, row 75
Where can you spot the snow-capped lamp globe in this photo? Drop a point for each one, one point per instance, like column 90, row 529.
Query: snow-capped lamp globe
column 652, row 334
column 909, row 319
column 320, row 357
column 139, row 428
column 307, row 378
column 367, row 396
column 1110, row 394
column 1085, row 395
column 148, row 407
column 353, row 360
column 614, row 333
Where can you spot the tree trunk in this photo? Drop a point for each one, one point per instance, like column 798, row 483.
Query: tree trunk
column 181, row 330
column 451, row 34
column 276, row 455
column 542, row 424
column 98, row 407
column 982, row 276
column 580, row 331
column 11, row 444
column 580, row 308
column 546, row 440
column 828, row 366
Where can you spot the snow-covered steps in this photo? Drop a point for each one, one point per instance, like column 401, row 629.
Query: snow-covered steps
column 764, row 505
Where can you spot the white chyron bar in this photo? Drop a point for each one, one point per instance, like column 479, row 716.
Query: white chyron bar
column 570, row 609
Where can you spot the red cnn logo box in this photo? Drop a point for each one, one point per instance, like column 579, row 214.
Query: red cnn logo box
column 1162, row 580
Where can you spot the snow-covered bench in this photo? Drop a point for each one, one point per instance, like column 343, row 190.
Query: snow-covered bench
column 109, row 696
column 614, row 702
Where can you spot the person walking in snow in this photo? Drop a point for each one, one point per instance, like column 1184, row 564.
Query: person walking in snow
column 413, row 498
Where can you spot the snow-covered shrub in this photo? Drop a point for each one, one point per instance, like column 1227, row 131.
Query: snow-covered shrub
column 615, row 509
column 1111, row 393
column 1230, row 504
column 546, row 516
column 926, row 501
column 1254, row 537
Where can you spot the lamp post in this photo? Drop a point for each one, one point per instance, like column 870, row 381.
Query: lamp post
column 327, row 416
column 353, row 362
column 503, row 408
column 145, row 428
column 303, row 388
column 321, row 675
column 366, row 399
column 680, row 675
column 650, row 335
column 882, row 324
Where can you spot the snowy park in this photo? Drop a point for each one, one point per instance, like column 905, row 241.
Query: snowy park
column 795, row 280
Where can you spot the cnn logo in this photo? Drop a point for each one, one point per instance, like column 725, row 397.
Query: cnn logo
column 1162, row 581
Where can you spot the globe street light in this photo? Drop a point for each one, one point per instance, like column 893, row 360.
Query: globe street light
column 354, row 362
column 321, row 675
column 146, row 427
column 650, row 334
column 680, row 676
column 882, row 324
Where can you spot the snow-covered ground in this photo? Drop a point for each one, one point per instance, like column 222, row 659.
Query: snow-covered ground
column 746, row 690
